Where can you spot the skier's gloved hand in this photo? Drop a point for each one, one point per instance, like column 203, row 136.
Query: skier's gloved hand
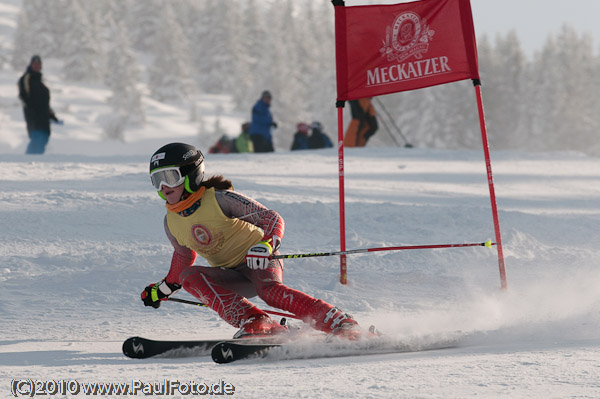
column 259, row 255
column 161, row 291
column 54, row 119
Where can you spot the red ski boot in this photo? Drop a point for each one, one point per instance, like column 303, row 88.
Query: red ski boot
column 342, row 324
column 259, row 325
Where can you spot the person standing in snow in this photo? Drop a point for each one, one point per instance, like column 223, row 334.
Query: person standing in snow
column 363, row 125
column 237, row 237
column 262, row 123
column 35, row 98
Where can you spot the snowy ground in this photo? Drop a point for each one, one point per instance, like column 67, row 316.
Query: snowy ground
column 81, row 236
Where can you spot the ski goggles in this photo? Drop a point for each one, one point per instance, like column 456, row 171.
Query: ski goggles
column 170, row 177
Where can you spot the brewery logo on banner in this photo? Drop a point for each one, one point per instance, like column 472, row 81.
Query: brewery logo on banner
column 405, row 43
column 408, row 36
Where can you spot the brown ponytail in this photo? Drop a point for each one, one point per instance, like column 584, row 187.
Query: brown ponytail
column 218, row 182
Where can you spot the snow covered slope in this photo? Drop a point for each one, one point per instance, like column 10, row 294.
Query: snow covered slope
column 82, row 235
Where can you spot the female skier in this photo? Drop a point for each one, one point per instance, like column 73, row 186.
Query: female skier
column 236, row 236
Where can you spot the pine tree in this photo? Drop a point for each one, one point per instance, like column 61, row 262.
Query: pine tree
column 23, row 47
column 122, row 77
column 170, row 75
column 83, row 54
column 503, row 73
column 240, row 48
column 320, row 65
column 35, row 33
column 576, row 126
column 145, row 22
column 222, row 48
column 259, row 70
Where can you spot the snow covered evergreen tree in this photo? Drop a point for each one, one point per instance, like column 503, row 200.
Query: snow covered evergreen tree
column 562, row 98
column 502, row 71
column 301, row 45
column 218, row 61
column 576, row 124
column 259, row 71
column 318, row 28
column 35, row 33
column 123, row 78
column 24, row 46
column 240, row 48
column 145, row 22
column 287, row 84
column 170, row 74
column 83, row 53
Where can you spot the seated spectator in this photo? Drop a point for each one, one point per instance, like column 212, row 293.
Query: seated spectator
column 318, row 139
column 223, row 146
column 300, row 137
column 243, row 142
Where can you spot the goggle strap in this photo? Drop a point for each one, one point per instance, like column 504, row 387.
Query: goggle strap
column 187, row 184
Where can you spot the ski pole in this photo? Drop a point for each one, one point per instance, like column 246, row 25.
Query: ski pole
column 293, row 316
column 389, row 132
column 379, row 103
column 488, row 244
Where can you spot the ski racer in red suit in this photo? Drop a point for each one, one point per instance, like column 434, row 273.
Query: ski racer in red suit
column 236, row 236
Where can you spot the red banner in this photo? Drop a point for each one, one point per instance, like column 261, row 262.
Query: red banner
column 382, row 49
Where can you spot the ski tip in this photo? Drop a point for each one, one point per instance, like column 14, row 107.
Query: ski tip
column 222, row 353
column 134, row 348
column 228, row 351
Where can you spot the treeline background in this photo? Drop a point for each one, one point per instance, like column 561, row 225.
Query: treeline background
column 175, row 50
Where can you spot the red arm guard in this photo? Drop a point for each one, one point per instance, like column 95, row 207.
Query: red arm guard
column 236, row 205
column 182, row 258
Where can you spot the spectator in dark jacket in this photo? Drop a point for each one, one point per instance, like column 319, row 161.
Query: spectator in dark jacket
column 262, row 122
column 35, row 98
column 300, row 137
column 318, row 139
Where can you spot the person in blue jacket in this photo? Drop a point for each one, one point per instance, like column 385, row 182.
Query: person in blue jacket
column 301, row 137
column 262, row 123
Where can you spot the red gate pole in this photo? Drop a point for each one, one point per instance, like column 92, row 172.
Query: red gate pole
column 488, row 164
column 343, row 264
